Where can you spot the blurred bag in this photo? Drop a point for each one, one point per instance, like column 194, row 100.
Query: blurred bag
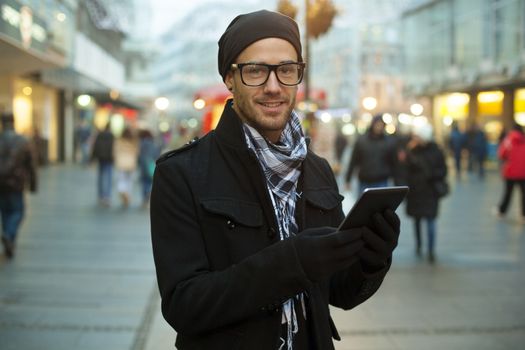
column 441, row 188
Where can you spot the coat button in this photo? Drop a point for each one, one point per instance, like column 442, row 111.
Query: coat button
column 271, row 233
column 231, row 224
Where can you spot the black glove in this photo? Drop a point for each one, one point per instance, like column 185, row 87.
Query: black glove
column 380, row 240
column 323, row 251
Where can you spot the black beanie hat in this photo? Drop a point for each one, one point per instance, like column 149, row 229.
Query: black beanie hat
column 248, row 28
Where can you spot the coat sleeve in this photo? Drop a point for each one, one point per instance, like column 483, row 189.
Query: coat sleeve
column 352, row 287
column 195, row 298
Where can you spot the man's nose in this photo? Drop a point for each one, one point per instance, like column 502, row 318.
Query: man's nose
column 272, row 85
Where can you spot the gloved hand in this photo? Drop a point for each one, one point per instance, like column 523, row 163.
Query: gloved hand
column 323, row 251
column 380, row 240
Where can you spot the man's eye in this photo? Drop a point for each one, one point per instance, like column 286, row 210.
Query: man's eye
column 254, row 70
column 287, row 69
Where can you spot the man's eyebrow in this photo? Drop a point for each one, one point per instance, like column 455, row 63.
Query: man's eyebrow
column 261, row 62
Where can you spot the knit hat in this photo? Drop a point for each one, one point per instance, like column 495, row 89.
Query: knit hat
column 248, row 28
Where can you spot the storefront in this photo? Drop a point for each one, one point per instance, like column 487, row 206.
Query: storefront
column 492, row 110
column 27, row 46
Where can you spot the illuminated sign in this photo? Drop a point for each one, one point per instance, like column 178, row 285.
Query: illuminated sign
column 22, row 25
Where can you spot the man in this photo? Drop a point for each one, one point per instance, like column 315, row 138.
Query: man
column 242, row 221
column 374, row 154
column 477, row 146
column 83, row 140
column 103, row 152
column 17, row 168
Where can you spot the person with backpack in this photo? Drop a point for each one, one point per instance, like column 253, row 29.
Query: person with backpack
column 17, row 169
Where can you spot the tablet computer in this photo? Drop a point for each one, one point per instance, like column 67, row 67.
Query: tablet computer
column 371, row 201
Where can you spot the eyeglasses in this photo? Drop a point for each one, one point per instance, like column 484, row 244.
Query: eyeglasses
column 257, row 74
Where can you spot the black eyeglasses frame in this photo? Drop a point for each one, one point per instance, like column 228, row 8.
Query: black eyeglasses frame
column 271, row 68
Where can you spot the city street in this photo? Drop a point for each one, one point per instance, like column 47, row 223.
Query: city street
column 83, row 277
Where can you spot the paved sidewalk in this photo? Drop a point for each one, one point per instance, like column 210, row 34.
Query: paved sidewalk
column 83, row 277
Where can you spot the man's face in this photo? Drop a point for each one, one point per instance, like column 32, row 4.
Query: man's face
column 267, row 107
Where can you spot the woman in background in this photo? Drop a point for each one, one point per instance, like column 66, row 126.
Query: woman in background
column 126, row 153
column 425, row 169
column 512, row 152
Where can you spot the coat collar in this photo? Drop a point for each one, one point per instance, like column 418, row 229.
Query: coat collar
column 229, row 130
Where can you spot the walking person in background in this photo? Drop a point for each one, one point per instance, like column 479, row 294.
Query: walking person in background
column 340, row 144
column 456, row 143
column 149, row 151
column 425, row 167
column 103, row 153
column 512, row 152
column 17, row 171
column 126, row 153
column 375, row 155
column 243, row 221
column 477, row 146
column 83, row 140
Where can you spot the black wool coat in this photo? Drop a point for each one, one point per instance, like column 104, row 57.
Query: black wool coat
column 425, row 165
column 223, row 272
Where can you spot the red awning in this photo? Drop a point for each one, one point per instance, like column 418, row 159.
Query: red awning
column 316, row 94
column 213, row 94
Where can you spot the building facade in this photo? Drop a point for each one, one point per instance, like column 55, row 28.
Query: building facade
column 54, row 51
column 467, row 58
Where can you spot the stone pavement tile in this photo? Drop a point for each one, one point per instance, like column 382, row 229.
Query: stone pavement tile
column 38, row 339
column 511, row 340
column 365, row 342
column 161, row 335
column 105, row 340
column 448, row 342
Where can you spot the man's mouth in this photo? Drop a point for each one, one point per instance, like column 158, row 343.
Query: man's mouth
column 271, row 104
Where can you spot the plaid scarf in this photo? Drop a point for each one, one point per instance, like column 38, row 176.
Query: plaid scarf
column 281, row 164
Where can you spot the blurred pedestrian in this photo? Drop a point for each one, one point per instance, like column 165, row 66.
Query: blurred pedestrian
column 512, row 152
column 149, row 151
column 456, row 144
column 103, row 153
column 126, row 153
column 83, row 140
column 180, row 138
column 426, row 170
column 340, row 144
column 17, row 171
column 374, row 155
column 40, row 147
column 401, row 140
column 243, row 220
column 477, row 147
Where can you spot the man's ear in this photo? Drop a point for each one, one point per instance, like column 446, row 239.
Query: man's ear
column 229, row 81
